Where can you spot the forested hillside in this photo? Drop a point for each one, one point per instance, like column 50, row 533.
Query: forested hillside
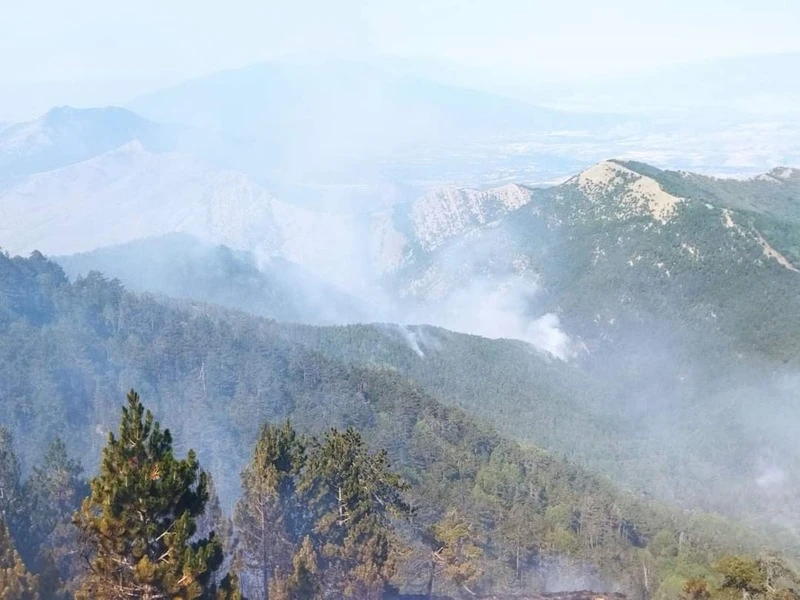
column 697, row 442
column 181, row 266
column 677, row 328
column 68, row 352
column 628, row 256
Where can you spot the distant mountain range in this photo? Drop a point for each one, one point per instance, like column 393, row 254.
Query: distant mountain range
column 327, row 132
column 136, row 194
column 340, row 106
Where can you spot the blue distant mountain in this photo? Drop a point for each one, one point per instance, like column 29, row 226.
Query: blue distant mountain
column 326, row 108
column 66, row 135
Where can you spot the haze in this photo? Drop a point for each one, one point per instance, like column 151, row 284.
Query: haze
column 92, row 52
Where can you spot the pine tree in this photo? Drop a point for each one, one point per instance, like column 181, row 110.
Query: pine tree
column 139, row 520
column 10, row 482
column 695, row 589
column 53, row 493
column 353, row 495
column 268, row 517
column 16, row 583
column 458, row 553
column 229, row 588
column 303, row 582
column 519, row 532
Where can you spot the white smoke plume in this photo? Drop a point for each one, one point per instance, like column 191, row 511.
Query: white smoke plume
column 502, row 309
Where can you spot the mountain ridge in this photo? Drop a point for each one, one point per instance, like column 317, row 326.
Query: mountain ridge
column 66, row 135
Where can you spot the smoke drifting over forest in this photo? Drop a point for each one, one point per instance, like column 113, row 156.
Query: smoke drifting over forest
column 579, row 369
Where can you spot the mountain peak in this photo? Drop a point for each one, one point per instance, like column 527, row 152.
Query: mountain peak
column 66, row 135
column 631, row 192
column 60, row 116
column 785, row 174
column 446, row 212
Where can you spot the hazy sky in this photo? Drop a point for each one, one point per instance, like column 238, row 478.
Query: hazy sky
column 46, row 40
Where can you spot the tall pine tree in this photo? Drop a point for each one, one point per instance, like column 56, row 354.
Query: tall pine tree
column 139, row 520
column 353, row 495
column 10, row 483
column 459, row 554
column 53, row 493
column 268, row 517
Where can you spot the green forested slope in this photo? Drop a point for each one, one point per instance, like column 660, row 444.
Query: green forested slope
column 684, row 323
column 67, row 350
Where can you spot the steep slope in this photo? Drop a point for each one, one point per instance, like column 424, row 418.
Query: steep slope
column 656, row 405
column 721, row 441
column 681, row 311
column 622, row 246
column 68, row 351
column 652, row 286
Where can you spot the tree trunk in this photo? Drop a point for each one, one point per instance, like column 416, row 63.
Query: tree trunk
column 430, row 579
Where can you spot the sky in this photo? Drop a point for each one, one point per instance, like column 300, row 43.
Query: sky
column 130, row 46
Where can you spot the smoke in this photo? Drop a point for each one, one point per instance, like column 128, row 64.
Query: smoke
column 771, row 478
column 683, row 429
column 412, row 339
column 502, row 310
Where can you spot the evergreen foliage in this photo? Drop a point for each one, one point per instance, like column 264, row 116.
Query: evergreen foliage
column 10, row 482
column 303, row 583
column 16, row 583
column 457, row 553
column 68, row 349
column 353, row 495
column 140, row 518
column 268, row 516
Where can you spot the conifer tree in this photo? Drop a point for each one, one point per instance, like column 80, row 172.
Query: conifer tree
column 16, row 583
column 228, row 589
column 353, row 494
column 53, row 493
column 268, row 516
column 10, row 482
column 140, row 517
column 303, row 582
column 741, row 573
column 458, row 553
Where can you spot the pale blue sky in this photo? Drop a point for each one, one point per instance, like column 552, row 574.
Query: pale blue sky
column 93, row 40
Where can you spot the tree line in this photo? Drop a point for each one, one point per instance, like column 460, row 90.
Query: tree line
column 317, row 518
column 516, row 518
